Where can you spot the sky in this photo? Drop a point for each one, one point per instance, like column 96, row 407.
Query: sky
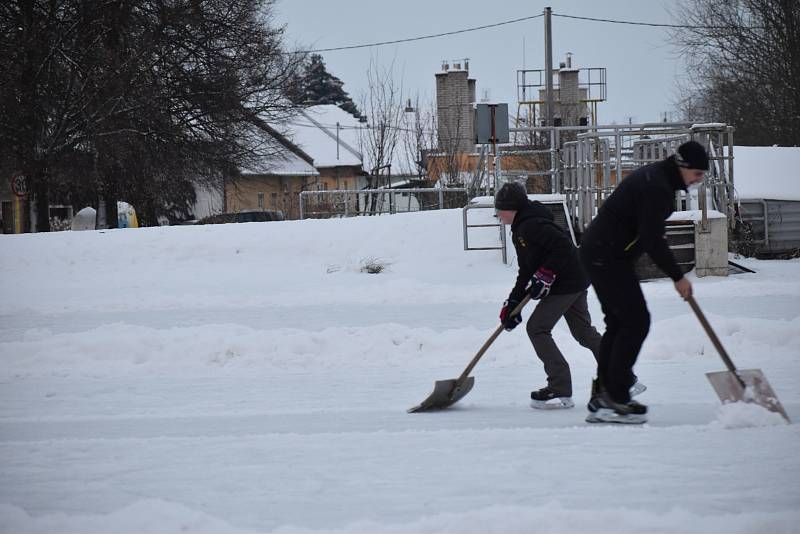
column 641, row 62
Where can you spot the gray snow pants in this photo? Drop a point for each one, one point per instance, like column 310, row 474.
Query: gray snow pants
column 547, row 313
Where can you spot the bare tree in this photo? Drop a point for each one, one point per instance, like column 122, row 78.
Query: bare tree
column 53, row 91
column 143, row 96
column 418, row 135
column 742, row 62
column 383, row 108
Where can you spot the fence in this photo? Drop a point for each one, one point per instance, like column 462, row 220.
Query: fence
column 769, row 228
column 360, row 202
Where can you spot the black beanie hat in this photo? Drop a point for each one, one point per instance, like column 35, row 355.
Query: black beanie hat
column 511, row 196
column 692, row 155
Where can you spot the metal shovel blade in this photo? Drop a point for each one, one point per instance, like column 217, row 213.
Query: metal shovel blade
column 758, row 390
column 445, row 393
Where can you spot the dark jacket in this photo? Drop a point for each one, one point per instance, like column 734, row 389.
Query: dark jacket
column 632, row 220
column 540, row 242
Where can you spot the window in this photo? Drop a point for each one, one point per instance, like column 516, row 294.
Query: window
column 261, row 200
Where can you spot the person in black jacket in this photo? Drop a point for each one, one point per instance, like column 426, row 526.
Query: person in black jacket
column 550, row 270
column 630, row 222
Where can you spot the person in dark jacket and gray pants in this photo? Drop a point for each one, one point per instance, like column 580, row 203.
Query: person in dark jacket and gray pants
column 630, row 222
column 550, row 270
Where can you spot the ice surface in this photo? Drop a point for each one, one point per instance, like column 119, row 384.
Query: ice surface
column 229, row 379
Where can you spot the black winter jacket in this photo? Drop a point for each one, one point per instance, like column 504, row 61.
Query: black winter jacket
column 632, row 220
column 540, row 242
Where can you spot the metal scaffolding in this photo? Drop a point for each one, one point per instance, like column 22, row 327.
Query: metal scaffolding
column 587, row 169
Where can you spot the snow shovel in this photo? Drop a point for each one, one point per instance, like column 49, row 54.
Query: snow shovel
column 448, row 392
column 748, row 385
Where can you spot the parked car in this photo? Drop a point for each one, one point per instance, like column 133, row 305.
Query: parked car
column 244, row 216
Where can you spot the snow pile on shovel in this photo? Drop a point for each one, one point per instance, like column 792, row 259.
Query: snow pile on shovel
column 746, row 415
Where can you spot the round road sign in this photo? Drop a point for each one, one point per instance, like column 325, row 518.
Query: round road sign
column 18, row 185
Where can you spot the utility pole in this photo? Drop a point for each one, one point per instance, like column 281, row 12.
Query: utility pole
column 548, row 65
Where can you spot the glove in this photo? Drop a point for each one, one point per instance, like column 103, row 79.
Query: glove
column 540, row 283
column 510, row 322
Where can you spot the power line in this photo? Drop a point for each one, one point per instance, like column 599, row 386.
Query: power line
column 653, row 24
column 514, row 21
column 361, row 128
column 432, row 36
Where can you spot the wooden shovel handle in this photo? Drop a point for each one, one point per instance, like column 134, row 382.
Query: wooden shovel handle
column 714, row 339
column 491, row 339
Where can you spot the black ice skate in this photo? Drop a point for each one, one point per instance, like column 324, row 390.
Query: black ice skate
column 602, row 409
column 545, row 399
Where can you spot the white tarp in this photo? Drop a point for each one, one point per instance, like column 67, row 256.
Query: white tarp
column 85, row 219
column 770, row 172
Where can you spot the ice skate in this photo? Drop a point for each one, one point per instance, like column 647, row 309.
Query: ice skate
column 545, row 399
column 602, row 409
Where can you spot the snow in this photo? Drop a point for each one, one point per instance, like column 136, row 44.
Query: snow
column 781, row 183
column 281, row 161
column 315, row 131
column 745, row 415
column 695, row 215
column 489, row 200
column 249, row 378
column 708, row 125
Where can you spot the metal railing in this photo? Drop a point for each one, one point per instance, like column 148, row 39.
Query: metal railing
column 363, row 202
column 473, row 205
column 587, row 162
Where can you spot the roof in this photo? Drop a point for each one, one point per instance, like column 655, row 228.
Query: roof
column 286, row 164
column 283, row 161
column 312, row 135
column 318, row 130
column 283, row 157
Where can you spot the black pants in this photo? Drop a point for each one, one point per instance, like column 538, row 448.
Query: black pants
column 626, row 317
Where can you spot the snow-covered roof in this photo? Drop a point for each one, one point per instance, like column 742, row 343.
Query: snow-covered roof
column 767, row 172
column 315, row 131
column 282, row 161
column 283, row 164
column 320, row 143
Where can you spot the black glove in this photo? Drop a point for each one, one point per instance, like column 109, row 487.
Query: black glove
column 510, row 322
column 540, row 284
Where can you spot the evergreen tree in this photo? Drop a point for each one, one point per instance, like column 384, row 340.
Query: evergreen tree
column 315, row 85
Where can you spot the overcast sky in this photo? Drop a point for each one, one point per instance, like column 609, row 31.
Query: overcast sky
column 641, row 64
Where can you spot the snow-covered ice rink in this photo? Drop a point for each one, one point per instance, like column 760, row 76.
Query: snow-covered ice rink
column 251, row 379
